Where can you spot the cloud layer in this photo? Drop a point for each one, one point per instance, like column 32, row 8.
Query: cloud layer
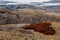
column 27, row 1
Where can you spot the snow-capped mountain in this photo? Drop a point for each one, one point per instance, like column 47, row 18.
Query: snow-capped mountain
column 15, row 5
column 54, row 1
column 49, row 3
column 6, row 2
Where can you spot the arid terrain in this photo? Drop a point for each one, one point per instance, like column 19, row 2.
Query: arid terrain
column 27, row 16
column 12, row 20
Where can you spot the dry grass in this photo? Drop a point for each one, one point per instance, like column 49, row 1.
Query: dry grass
column 13, row 32
column 22, row 34
column 27, row 16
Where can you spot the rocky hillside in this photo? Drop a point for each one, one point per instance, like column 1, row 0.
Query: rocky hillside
column 13, row 20
column 26, row 16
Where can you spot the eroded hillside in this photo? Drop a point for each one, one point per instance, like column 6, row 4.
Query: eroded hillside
column 27, row 16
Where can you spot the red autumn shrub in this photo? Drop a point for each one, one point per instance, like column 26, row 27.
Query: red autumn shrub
column 42, row 28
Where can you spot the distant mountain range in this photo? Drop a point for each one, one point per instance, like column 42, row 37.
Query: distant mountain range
column 50, row 5
column 6, row 2
column 14, row 5
column 54, row 1
column 51, row 2
column 17, row 6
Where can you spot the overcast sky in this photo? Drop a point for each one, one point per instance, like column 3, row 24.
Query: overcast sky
column 27, row 1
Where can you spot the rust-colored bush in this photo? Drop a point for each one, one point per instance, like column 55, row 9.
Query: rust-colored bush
column 2, row 11
column 42, row 28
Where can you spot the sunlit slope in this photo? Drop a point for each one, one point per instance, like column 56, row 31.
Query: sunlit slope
column 27, row 16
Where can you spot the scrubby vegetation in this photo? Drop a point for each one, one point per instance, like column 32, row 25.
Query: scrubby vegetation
column 42, row 28
column 11, row 32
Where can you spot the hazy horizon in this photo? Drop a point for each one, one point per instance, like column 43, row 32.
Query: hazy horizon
column 26, row 1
